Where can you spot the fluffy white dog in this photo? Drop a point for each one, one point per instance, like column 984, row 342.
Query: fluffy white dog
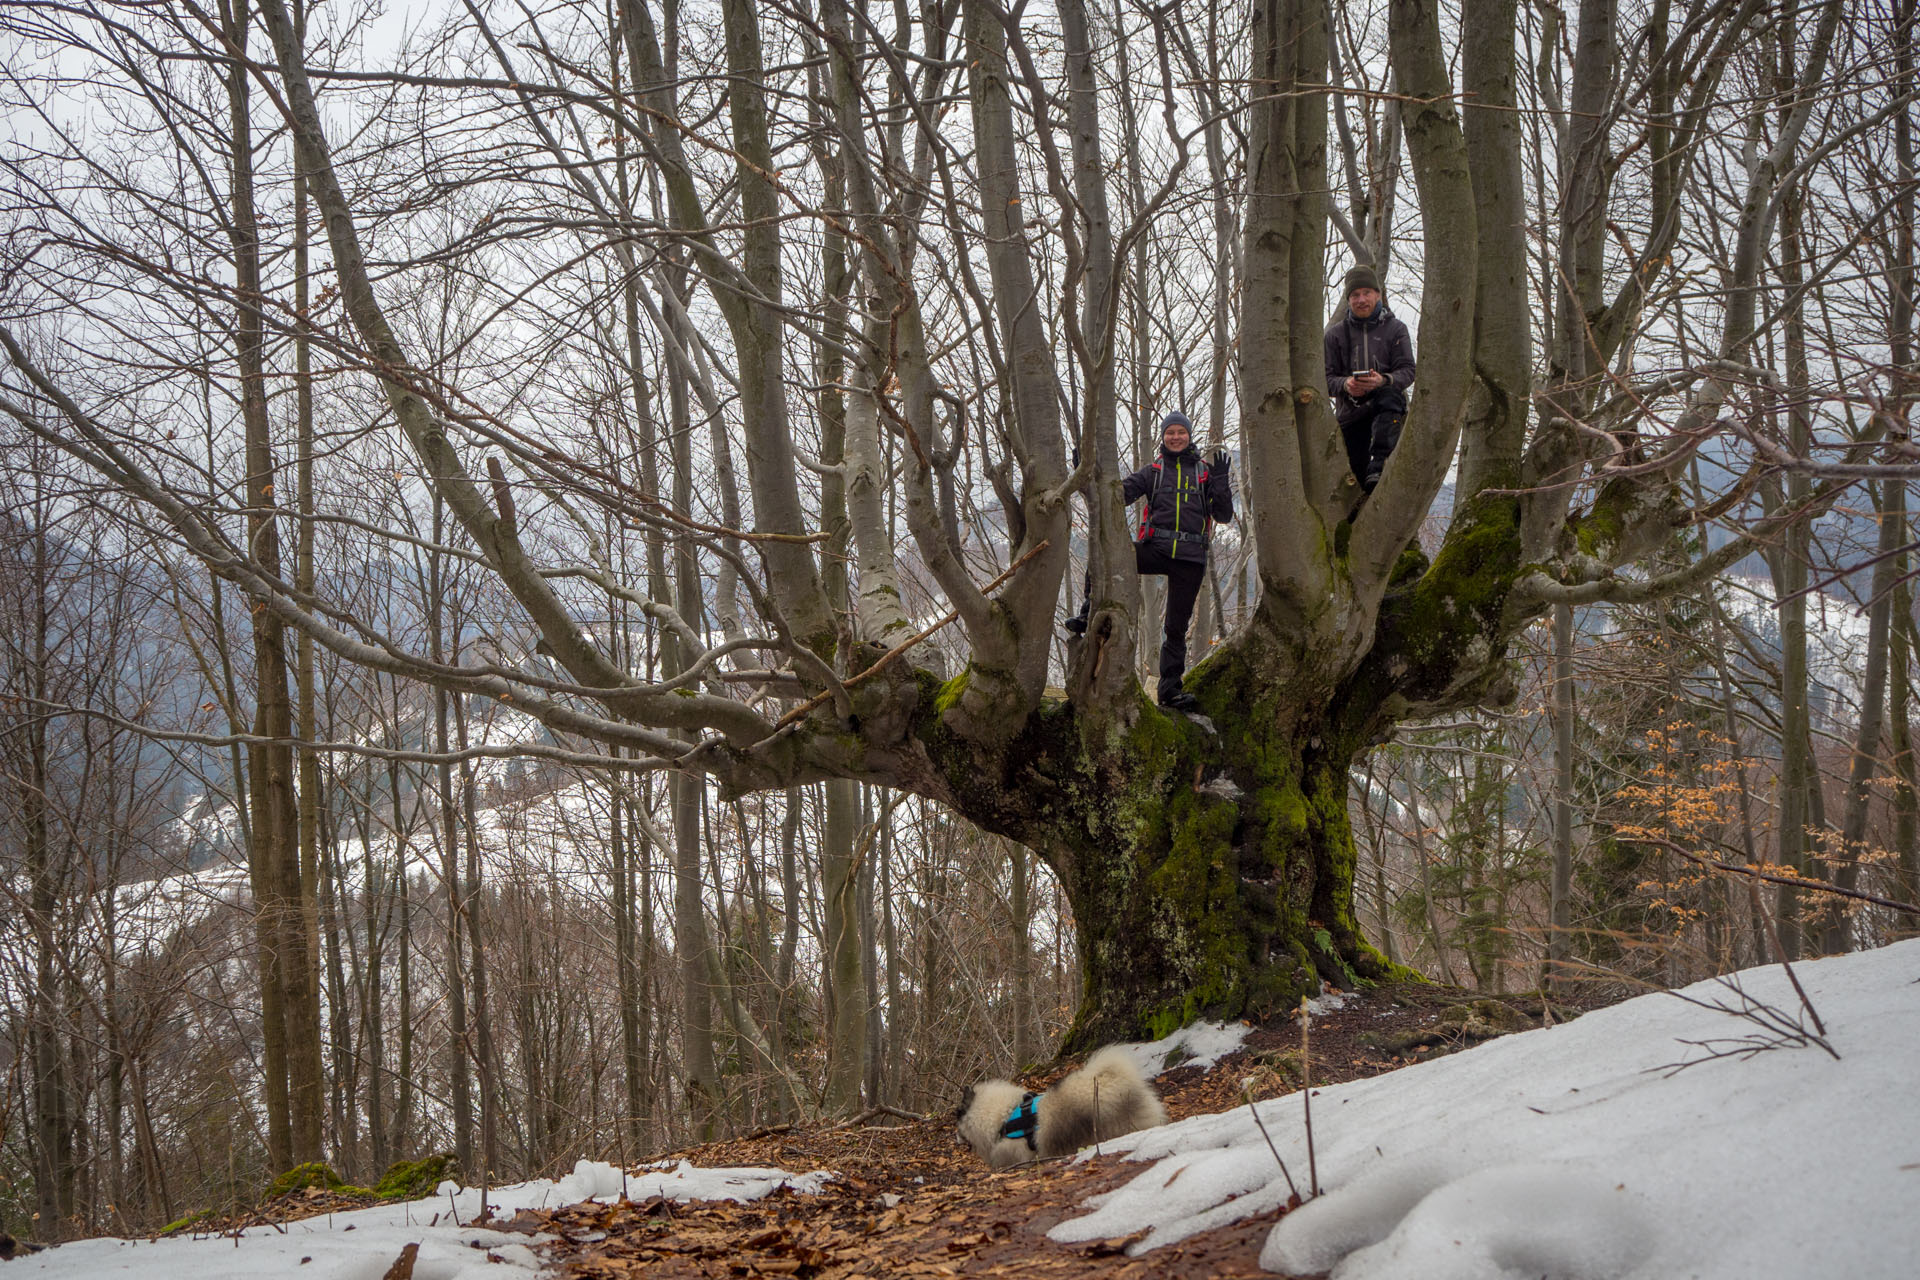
column 1007, row 1125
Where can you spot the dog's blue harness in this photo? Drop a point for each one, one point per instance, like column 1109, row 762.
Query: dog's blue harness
column 1024, row 1121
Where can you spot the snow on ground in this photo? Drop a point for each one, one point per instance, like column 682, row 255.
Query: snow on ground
column 1200, row 1045
column 1578, row 1152
column 1203, row 1044
column 361, row 1245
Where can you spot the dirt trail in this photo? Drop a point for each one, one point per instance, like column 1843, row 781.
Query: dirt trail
column 911, row 1201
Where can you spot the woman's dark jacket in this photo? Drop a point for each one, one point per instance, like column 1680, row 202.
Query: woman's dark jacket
column 1379, row 342
column 1185, row 497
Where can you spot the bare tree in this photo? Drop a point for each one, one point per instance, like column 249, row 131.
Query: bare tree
column 892, row 277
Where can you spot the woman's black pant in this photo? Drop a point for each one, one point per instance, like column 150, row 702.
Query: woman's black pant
column 1184, row 577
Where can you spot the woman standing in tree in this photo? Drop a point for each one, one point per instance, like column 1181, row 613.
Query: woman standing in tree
column 1183, row 496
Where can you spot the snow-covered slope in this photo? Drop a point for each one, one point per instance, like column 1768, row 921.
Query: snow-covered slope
column 1586, row 1150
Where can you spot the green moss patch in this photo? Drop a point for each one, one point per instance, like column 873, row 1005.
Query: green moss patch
column 416, row 1179
column 191, row 1220
column 404, row 1180
column 948, row 694
column 314, row 1173
column 315, row 1187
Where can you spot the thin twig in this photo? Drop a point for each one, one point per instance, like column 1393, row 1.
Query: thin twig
column 1778, row 1029
column 1791, row 881
column 1306, row 1096
column 1780, row 951
column 1284, row 1172
column 869, row 1114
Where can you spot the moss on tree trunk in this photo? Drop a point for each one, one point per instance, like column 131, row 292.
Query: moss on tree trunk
column 1210, row 869
column 1210, row 862
column 1215, row 878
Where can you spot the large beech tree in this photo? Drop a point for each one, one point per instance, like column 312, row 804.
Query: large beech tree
column 902, row 258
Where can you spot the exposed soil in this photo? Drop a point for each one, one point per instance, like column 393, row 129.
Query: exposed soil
column 913, row 1201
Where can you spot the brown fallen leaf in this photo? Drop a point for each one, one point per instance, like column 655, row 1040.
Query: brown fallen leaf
column 1116, row 1245
column 402, row 1268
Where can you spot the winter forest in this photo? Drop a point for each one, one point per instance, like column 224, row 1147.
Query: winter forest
column 534, row 539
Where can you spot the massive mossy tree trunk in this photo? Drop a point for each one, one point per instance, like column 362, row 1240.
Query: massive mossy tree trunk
column 1210, row 859
column 1215, row 875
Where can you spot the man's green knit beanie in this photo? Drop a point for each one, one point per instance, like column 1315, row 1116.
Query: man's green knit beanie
column 1361, row 277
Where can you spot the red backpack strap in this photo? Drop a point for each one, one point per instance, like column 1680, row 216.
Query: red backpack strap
column 1146, row 505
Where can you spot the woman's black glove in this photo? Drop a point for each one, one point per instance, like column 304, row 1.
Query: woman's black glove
column 1218, row 459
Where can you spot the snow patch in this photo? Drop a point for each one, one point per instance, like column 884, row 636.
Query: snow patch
column 363, row 1243
column 1411, row 1222
column 1201, row 1044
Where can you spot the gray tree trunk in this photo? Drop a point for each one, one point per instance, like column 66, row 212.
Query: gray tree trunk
column 845, row 983
column 291, row 1048
column 1867, row 749
column 1560, row 923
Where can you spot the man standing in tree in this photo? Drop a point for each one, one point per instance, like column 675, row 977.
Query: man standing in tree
column 1369, row 358
column 1182, row 495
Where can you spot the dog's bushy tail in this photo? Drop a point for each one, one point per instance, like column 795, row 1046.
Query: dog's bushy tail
column 1102, row 1100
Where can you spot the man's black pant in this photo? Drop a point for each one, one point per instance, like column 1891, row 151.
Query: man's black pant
column 1183, row 588
column 1369, row 439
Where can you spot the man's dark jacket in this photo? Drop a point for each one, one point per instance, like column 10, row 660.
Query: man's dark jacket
column 1185, row 498
column 1379, row 342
